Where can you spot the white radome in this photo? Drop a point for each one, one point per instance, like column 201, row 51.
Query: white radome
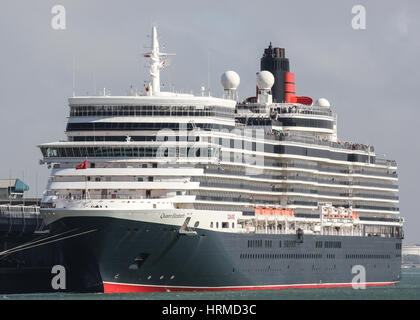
column 230, row 80
column 322, row 102
column 265, row 80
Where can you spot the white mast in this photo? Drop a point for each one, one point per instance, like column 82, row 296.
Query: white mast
column 155, row 64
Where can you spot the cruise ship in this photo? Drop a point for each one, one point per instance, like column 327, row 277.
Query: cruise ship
column 167, row 191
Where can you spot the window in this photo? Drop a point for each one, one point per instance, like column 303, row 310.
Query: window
column 289, row 243
column 332, row 244
column 225, row 224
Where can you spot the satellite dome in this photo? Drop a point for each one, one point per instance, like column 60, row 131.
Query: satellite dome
column 265, row 80
column 230, row 80
column 322, row 102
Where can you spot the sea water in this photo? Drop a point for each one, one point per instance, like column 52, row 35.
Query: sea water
column 407, row 289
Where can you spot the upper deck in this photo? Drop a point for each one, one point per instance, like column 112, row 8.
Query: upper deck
column 161, row 99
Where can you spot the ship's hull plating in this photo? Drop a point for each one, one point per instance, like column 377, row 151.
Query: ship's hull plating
column 28, row 269
column 136, row 256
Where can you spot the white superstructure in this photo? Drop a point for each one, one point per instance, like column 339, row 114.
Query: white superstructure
column 256, row 167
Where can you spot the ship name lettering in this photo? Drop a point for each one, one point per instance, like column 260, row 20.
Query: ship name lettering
column 173, row 216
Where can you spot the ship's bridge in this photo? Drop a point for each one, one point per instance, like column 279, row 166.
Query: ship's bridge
column 94, row 118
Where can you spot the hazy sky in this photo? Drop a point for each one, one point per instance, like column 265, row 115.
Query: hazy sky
column 370, row 76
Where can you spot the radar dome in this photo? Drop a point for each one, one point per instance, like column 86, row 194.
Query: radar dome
column 322, row 102
column 265, row 80
column 230, row 80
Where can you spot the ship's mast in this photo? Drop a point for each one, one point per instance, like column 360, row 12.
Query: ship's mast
column 155, row 64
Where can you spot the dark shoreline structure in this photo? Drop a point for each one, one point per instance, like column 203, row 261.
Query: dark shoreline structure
column 28, row 253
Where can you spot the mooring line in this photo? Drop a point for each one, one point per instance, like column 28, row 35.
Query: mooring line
column 36, row 241
column 41, row 244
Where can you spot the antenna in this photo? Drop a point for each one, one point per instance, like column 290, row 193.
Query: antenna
column 74, row 77
column 36, row 184
column 94, row 83
column 9, row 188
column 208, row 70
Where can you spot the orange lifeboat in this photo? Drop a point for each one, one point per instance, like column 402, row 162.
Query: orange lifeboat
column 288, row 212
column 258, row 210
column 278, row 212
column 268, row 211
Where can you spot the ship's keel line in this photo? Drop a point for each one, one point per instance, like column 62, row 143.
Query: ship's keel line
column 114, row 287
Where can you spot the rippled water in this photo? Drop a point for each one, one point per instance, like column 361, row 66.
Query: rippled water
column 408, row 288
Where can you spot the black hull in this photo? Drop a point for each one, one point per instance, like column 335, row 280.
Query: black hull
column 30, row 270
column 139, row 256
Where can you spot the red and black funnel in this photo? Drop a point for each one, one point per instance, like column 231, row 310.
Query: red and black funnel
column 283, row 90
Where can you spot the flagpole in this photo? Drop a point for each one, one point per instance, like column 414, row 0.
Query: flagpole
column 86, row 188
column 83, row 166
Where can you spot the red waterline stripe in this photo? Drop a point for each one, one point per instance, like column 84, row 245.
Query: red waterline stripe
column 110, row 287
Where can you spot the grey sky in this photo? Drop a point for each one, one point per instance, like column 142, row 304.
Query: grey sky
column 370, row 76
